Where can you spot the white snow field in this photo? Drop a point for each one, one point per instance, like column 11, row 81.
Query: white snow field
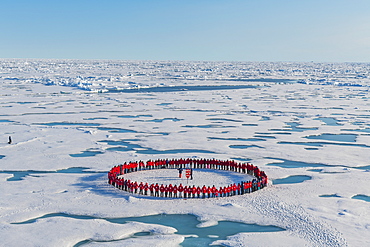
column 71, row 121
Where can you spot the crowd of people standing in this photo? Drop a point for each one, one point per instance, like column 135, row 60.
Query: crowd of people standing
column 116, row 177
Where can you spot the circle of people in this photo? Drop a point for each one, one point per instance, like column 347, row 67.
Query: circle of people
column 116, row 178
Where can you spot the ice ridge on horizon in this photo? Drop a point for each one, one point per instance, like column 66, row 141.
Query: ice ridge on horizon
column 106, row 75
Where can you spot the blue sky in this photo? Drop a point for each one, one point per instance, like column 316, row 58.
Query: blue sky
column 215, row 30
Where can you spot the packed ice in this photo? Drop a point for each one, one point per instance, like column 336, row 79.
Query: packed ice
column 66, row 123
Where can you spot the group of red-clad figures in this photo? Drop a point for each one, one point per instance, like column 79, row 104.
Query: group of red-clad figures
column 116, row 178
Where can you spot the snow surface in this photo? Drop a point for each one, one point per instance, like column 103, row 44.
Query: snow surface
column 55, row 110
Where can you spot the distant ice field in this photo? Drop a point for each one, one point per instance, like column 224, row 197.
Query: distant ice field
column 167, row 76
column 307, row 125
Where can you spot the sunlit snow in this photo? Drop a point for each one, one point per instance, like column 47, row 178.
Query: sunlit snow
column 71, row 121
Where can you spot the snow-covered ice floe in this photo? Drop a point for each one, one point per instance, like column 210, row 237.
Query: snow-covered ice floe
column 70, row 121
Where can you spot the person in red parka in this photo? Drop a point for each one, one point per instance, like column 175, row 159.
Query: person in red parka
column 213, row 190
column 186, row 191
column 161, row 189
column 166, row 190
column 146, row 188
column 238, row 188
column 181, row 189
column 175, row 191
column 141, row 188
column 233, row 189
column 244, row 168
column 204, row 191
column 129, row 186
column 249, row 168
column 136, row 186
column 193, row 191
column 122, row 184
column 151, row 189
column 216, row 192
column 170, row 190
column 156, row 188
column 125, row 184
column 209, row 191
column 249, row 186
column 228, row 190
column 222, row 191
column 244, row 187
column 198, row 191
column 118, row 183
